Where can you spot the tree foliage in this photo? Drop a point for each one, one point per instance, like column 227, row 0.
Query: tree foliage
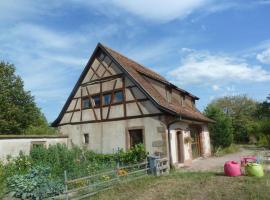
column 221, row 132
column 241, row 110
column 262, row 116
column 18, row 111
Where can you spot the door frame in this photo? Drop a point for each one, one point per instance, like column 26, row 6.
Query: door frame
column 198, row 143
column 180, row 146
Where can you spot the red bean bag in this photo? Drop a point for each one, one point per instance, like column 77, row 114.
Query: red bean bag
column 232, row 168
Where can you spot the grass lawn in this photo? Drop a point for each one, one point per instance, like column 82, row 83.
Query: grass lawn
column 190, row 185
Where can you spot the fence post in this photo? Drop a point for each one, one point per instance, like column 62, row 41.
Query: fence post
column 153, row 165
column 66, row 186
column 117, row 170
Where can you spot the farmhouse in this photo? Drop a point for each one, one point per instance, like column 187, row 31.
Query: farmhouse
column 118, row 103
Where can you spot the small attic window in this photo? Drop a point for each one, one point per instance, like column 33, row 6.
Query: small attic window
column 96, row 99
column 118, row 97
column 86, row 103
column 107, row 61
column 106, row 99
column 100, row 55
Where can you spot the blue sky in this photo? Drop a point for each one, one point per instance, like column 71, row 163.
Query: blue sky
column 208, row 47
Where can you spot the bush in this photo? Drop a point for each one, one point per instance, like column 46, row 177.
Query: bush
column 80, row 162
column 37, row 184
column 133, row 155
column 40, row 174
column 221, row 132
column 2, row 180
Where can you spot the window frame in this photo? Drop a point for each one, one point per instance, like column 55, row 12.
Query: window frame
column 86, row 138
column 100, row 101
column 128, row 138
column 103, row 99
column 90, row 103
column 42, row 143
column 114, row 97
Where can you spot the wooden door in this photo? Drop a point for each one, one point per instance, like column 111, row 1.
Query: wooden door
column 180, row 146
column 196, row 142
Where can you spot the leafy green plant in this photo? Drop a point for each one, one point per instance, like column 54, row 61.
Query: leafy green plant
column 22, row 162
column 133, row 155
column 221, row 132
column 18, row 108
column 2, row 179
column 37, row 184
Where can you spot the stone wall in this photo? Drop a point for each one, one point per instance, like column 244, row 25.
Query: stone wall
column 107, row 137
column 12, row 145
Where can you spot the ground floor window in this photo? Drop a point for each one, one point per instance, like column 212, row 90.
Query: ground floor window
column 86, row 138
column 38, row 144
column 135, row 137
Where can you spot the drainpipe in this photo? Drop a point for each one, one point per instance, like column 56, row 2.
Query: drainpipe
column 179, row 118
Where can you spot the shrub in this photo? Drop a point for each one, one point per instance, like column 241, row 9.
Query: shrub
column 58, row 157
column 79, row 162
column 133, row 155
column 221, row 132
column 2, row 179
column 37, row 184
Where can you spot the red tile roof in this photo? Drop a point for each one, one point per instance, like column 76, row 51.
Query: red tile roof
column 137, row 71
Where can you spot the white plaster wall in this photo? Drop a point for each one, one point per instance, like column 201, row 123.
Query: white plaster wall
column 132, row 109
column 107, row 137
column 148, row 107
column 72, row 105
column 206, row 141
column 13, row 147
column 129, row 96
column 173, row 146
column 187, row 147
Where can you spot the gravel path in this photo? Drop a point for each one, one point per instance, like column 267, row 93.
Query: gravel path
column 216, row 163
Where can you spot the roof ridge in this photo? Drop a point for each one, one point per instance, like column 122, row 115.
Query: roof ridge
column 145, row 70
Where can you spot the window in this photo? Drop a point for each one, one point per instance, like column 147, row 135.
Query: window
column 101, row 55
column 96, row 99
column 118, row 97
column 38, row 144
column 107, row 61
column 86, row 103
column 135, row 137
column 86, row 138
column 106, row 99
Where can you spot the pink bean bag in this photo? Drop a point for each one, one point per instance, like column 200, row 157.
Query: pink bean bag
column 232, row 168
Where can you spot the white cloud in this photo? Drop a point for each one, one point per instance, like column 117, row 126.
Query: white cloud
column 215, row 87
column 40, row 36
column 209, row 69
column 264, row 57
column 160, row 9
column 154, row 10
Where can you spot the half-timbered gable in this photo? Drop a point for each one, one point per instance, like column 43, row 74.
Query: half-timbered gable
column 117, row 103
column 105, row 93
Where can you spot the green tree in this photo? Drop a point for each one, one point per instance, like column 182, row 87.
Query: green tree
column 263, row 109
column 221, row 132
column 18, row 111
column 262, row 115
column 241, row 109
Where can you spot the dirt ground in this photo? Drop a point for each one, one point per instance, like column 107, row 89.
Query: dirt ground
column 215, row 164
